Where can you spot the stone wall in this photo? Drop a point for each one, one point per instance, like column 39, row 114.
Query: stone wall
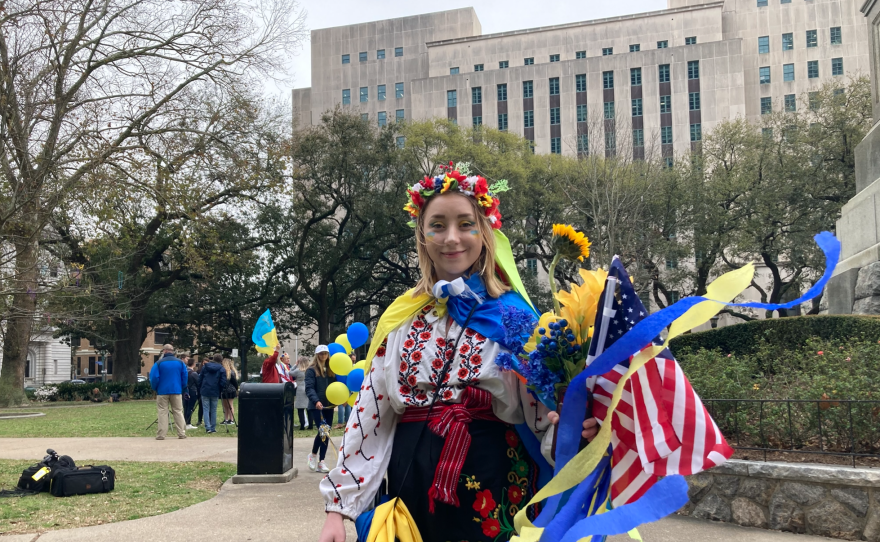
column 824, row 500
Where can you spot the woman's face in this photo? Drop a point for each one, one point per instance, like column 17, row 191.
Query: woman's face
column 322, row 357
column 452, row 235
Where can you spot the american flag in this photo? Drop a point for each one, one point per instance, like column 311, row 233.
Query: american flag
column 660, row 427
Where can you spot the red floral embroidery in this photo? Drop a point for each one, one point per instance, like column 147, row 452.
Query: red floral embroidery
column 470, row 332
column 476, row 359
column 380, row 352
column 447, row 394
column 484, row 503
column 417, row 356
column 491, row 527
column 464, row 349
column 409, row 343
column 515, row 494
column 411, row 380
column 441, row 342
column 403, row 366
column 512, row 439
column 418, row 324
column 462, row 373
column 411, row 355
column 437, row 363
column 425, row 335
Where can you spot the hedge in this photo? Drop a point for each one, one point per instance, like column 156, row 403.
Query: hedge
column 782, row 333
column 83, row 392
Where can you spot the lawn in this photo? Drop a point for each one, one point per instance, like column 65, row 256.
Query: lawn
column 142, row 489
column 125, row 419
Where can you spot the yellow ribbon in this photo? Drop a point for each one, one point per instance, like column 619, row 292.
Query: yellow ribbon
column 391, row 523
column 723, row 290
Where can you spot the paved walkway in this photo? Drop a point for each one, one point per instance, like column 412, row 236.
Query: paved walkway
column 272, row 512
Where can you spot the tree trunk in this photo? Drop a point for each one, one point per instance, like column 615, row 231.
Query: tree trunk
column 242, row 352
column 21, row 321
column 130, row 335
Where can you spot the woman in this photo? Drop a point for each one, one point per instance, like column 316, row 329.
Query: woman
column 318, row 377
column 212, row 382
column 301, row 400
column 229, row 392
column 437, row 361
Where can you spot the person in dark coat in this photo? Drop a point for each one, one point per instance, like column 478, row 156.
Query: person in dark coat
column 192, row 386
column 318, row 377
column 211, row 385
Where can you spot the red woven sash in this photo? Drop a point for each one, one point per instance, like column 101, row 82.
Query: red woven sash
column 451, row 422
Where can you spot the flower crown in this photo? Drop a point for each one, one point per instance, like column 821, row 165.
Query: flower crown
column 456, row 178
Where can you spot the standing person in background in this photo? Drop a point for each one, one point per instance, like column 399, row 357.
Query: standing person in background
column 168, row 377
column 192, row 387
column 318, row 377
column 213, row 382
column 345, row 408
column 301, row 400
column 229, row 392
column 273, row 370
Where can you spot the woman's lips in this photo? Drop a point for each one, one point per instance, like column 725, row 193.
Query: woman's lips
column 452, row 254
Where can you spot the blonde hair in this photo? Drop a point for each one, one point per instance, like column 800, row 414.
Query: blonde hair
column 485, row 264
column 302, row 363
column 230, row 368
column 321, row 369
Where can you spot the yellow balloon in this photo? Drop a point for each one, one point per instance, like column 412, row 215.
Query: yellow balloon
column 362, row 364
column 340, row 364
column 353, row 399
column 337, row 393
column 342, row 340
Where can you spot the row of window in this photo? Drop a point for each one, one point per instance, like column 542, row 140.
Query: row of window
column 364, row 93
column 763, row 3
column 399, row 115
column 789, row 102
column 638, row 139
column 788, row 70
column 380, row 54
column 836, row 38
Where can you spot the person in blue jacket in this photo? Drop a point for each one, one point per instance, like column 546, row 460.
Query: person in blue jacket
column 212, row 381
column 168, row 378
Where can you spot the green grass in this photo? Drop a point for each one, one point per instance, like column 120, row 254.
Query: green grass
column 142, row 489
column 125, row 419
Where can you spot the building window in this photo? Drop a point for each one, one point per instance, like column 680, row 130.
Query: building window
column 666, row 135
column 762, row 3
column 383, row 118
column 580, row 54
column 528, row 89
column 362, row 57
column 554, row 116
column 451, row 98
column 812, row 69
column 398, row 51
column 635, row 48
column 666, row 104
column 607, row 51
column 453, row 71
column 663, row 44
column 608, row 79
column 693, row 69
column 477, row 121
column 691, row 40
column 836, row 66
column 766, row 105
column 528, row 119
column 380, row 93
column 583, row 144
column 787, row 41
column 502, row 92
column 635, row 77
column 477, row 95
column 532, row 267
column 529, row 61
column 696, row 132
column 785, row 1
column 637, row 107
column 763, row 44
column 609, row 110
column 694, row 101
column 478, row 67
column 399, row 115
column 398, row 90
column 663, row 71
column 380, row 54
column 638, row 137
column 554, row 86
column 812, row 39
column 836, row 37
column 346, row 96
column 503, row 65
column 554, row 58
column 346, row 59
column 401, row 141
column 764, row 75
column 610, row 142
column 788, row 72
column 365, row 94
column 580, row 82
column 790, row 103
column 556, row 145
column 502, row 122
column 582, row 113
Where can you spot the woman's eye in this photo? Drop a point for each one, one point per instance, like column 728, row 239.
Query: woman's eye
column 467, row 224
column 436, row 225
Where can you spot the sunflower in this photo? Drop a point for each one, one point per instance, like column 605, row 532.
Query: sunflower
column 569, row 243
column 579, row 305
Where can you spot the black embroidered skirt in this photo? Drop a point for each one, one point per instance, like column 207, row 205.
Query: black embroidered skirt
column 497, row 479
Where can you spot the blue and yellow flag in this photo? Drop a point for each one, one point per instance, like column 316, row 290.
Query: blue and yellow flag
column 264, row 336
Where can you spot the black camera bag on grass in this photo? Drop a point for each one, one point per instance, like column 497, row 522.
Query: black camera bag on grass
column 82, row 480
column 36, row 477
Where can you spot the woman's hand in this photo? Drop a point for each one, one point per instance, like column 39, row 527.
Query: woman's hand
column 319, row 406
column 334, row 530
column 591, row 426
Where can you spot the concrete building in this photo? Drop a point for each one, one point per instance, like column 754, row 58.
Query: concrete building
column 654, row 80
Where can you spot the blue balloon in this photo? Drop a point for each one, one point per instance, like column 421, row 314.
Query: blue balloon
column 354, row 379
column 335, row 349
column 357, row 334
column 341, row 378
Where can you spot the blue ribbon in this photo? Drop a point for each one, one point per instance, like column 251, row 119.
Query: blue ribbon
column 486, row 319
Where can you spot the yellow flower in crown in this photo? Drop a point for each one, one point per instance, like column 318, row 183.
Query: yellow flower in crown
column 570, row 243
column 448, row 184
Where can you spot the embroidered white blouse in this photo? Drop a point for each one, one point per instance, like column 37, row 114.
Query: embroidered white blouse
column 404, row 373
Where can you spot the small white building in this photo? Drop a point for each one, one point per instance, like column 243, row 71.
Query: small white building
column 48, row 360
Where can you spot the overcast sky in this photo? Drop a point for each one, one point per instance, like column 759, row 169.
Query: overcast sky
column 494, row 15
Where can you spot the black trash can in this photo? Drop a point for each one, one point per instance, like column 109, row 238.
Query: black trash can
column 265, row 428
